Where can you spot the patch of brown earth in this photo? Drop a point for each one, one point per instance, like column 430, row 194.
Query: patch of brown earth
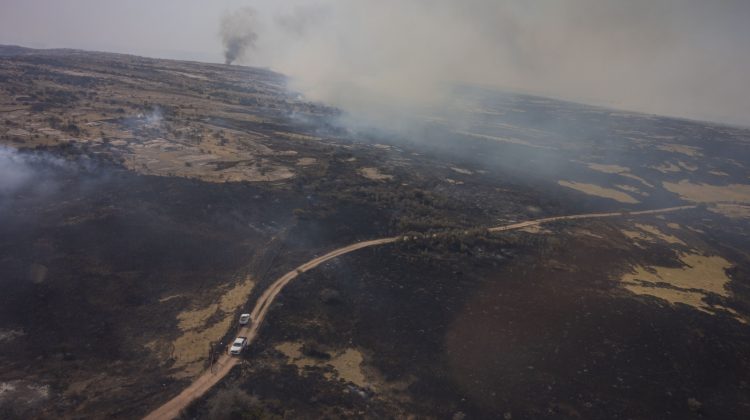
column 374, row 174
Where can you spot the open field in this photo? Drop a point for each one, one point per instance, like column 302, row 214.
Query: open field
column 146, row 203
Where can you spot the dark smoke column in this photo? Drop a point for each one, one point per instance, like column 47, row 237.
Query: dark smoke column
column 237, row 33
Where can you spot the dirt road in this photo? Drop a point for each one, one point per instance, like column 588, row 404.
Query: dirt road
column 208, row 379
column 226, row 362
column 537, row 222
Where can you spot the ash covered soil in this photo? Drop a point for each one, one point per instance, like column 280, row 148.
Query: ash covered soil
column 145, row 203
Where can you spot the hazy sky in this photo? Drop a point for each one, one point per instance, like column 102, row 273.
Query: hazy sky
column 676, row 57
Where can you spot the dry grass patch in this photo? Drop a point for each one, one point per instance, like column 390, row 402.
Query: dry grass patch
column 510, row 140
column 680, row 148
column 599, row 191
column 346, row 364
column 688, row 285
column 306, row 161
column 461, row 171
column 706, row 193
column 535, row 229
column 632, row 189
column 200, row 326
column 687, row 166
column 608, row 169
column 619, row 170
column 374, row 174
column 296, row 136
column 667, row 167
column 734, row 211
column 652, row 234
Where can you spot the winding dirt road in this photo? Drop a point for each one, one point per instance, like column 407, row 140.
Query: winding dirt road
column 211, row 377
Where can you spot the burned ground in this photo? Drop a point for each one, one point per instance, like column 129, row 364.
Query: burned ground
column 85, row 267
column 158, row 195
column 536, row 325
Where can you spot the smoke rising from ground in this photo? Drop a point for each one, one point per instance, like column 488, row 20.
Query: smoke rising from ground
column 674, row 57
column 238, row 34
column 20, row 170
column 31, row 180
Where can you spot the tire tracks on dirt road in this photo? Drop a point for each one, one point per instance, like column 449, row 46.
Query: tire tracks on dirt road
column 172, row 408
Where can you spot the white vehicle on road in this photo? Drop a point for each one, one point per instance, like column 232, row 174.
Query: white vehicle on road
column 239, row 344
column 244, row 319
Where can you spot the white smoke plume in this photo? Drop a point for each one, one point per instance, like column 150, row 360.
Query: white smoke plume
column 19, row 170
column 673, row 57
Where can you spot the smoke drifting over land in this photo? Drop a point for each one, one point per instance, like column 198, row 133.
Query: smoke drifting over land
column 238, row 34
column 674, row 57
column 26, row 178
column 36, row 177
column 18, row 170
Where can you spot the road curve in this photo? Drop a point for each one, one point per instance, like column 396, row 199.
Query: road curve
column 225, row 363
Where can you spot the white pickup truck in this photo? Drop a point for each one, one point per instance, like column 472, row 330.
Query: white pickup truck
column 239, row 344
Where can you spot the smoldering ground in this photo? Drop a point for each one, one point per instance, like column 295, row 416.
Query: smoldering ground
column 36, row 179
column 18, row 170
